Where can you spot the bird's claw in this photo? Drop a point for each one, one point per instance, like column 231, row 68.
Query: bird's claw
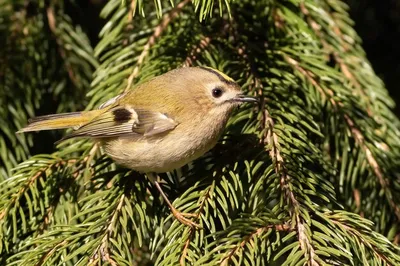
column 180, row 216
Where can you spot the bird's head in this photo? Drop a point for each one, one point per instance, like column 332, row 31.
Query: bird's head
column 192, row 93
column 221, row 89
column 205, row 90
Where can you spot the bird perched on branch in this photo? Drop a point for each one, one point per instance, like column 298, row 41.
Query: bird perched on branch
column 160, row 125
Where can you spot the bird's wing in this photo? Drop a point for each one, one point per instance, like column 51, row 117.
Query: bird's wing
column 125, row 121
column 112, row 101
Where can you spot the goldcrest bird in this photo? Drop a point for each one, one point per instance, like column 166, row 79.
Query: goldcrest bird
column 161, row 124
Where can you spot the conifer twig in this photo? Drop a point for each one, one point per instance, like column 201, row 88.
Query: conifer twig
column 327, row 47
column 49, row 253
column 258, row 232
column 197, row 49
column 362, row 239
column 356, row 133
column 103, row 248
column 29, row 182
column 192, row 230
column 53, row 27
column 132, row 10
column 271, row 139
column 151, row 41
column 50, row 210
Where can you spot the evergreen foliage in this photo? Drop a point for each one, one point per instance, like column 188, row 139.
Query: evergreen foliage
column 311, row 176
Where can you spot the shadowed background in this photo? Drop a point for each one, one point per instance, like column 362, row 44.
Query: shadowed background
column 378, row 24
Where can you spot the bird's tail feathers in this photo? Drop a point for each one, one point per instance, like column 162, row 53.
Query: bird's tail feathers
column 56, row 121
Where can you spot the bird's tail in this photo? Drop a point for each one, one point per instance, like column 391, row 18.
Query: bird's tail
column 58, row 121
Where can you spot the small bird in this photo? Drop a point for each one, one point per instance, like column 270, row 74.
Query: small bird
column 160, row 125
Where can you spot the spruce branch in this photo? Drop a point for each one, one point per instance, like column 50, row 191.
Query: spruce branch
column 34, row 72
column 359, row 231
column 257, row 233
column 50, row 252
column 205, row 197
column 344, row 49
column 157, row 32
column 339, row 41
column 271, row 139
column 357, row 135
column 374, row 165
column 206, row 8
column 266, row 193
column 196, row 51
column 103, row 249
column 26, row 184
column 53, row 27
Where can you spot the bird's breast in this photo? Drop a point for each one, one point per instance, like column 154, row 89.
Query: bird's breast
column 163, row 153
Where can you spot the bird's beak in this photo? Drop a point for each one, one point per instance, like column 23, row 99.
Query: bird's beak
column 245, row 99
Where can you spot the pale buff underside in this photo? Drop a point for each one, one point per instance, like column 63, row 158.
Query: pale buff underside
column 170, row 150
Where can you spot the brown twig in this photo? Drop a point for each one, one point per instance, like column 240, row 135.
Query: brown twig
column 197, row 49
column 259, row 231
column 311, row 77
column 24, row 188
column 343, row 66
column 192, row 230
column 49, row 253
column 359, row 138
column 357, row 234
column 132, row 10
column 53, row 28
column 151, row 41
column 356, row 133
column 85, row 163
column 271, row 139
column 396, row 240
column 357, row 199
column 103, row 248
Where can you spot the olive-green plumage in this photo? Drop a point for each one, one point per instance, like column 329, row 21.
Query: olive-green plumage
column 161, row 124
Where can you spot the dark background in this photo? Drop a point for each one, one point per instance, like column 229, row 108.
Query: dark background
column 377, row 23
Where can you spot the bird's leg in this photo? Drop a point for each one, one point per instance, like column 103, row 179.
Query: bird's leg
column 180, row 216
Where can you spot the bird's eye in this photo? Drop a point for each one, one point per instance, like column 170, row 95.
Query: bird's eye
column 217, row 92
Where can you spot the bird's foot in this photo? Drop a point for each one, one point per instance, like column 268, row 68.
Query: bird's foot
column 181, row 217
